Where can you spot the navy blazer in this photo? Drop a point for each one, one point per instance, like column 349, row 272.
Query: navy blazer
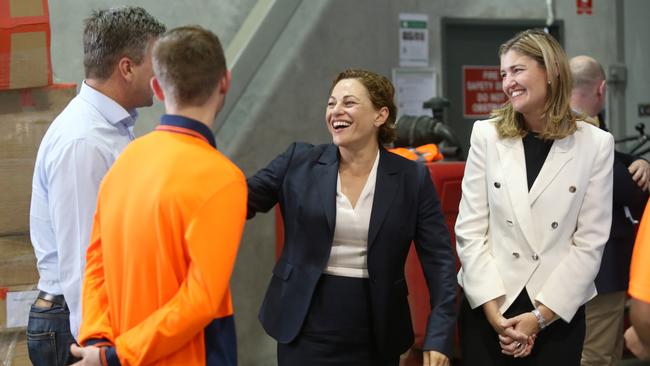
column 405, row 209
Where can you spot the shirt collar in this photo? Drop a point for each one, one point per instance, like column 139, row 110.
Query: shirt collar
column 187, row 126
column 107, row 107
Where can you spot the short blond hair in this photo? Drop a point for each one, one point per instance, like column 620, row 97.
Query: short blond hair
column 543, row 48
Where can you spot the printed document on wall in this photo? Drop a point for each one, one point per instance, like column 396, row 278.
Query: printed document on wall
column 18, row 305
column 413, row 40
column 413, row 87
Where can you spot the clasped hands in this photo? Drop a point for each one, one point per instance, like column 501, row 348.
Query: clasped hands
column 516, row 335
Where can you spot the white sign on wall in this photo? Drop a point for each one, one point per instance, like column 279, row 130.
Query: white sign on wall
column 18, row 305
column 413, row 40
column 414, row 86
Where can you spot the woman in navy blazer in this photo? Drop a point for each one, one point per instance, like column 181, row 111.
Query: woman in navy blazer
column 351, row 209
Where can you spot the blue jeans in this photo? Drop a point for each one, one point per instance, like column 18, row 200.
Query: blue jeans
column 49, row 336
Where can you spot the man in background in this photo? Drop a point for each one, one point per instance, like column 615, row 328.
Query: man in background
column 604, row 314
column 75, row 153
column 169, row 219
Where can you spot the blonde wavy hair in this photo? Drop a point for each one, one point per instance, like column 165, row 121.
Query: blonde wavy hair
column 560, row 120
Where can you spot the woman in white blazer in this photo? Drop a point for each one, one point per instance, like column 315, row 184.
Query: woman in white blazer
column 534, row 216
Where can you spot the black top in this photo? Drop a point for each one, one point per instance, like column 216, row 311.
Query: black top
column 536, row 150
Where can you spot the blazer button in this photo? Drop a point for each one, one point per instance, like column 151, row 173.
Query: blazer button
column 497, row 184
column 554, row 225
column 535, row 257
column 572, row 189
column 509, row 223
column 515, row 254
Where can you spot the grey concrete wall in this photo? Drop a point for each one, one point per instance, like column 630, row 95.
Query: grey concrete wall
column 364, row 34
column 285, row 101
column 637, row 54
column 66, row 16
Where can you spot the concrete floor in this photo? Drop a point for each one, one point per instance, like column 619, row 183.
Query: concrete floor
column 415, row 359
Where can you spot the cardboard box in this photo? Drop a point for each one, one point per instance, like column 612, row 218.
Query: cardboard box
column 24, row 44
column 15, row 302
column 24, row 117
column 13, row 348
column 18, row 278
column 18, row 275
column 17, row 262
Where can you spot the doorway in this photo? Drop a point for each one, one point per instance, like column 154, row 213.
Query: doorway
column 473, row 44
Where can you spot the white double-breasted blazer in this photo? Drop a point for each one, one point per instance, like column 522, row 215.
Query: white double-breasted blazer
column 548, row 240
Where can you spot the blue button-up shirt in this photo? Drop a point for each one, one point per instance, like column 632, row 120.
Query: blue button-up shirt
column 77, row 150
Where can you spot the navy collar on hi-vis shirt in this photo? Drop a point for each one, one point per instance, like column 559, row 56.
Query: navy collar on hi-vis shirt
column 187, row 126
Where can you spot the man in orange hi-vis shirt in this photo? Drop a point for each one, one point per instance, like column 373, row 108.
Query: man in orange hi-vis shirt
column 169, row 219
column 637, row 337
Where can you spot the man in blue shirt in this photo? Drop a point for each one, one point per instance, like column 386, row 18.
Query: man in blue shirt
column 75, row 153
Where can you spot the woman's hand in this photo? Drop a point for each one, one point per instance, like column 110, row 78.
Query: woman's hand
column 494, row 317
column 511, row 347
column 433, row 358
column 521, row 327
column 520, row 334
column 515, row 337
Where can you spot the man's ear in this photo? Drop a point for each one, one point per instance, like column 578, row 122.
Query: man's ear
column 125, row 68
column 225, row 82
column 602, row 88
column 157, row 89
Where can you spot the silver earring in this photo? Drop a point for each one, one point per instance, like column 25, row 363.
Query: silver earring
column 549, row 82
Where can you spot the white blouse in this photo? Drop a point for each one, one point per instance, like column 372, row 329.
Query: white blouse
column 349, row 254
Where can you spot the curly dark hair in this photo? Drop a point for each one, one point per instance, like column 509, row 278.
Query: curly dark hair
column 382, row 94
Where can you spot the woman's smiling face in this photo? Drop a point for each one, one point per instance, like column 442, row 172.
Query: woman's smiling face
column 525, row 82
column 351, row 118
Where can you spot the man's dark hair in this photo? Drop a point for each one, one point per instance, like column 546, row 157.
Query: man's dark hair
column 110, row 34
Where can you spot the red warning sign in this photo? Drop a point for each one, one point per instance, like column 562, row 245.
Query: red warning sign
column 584, row 7
column 481, row 90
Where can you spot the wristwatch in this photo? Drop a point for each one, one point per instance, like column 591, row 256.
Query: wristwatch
column 540, row 318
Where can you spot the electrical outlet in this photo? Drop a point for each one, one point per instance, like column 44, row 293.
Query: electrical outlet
column 617, row 73
column 644, row 110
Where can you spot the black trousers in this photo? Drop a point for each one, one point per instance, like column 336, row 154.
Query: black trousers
column 559, row 344
column 338, row 328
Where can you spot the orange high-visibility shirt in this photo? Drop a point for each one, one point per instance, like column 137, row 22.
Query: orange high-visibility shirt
column 169, row 219
column 640, row 268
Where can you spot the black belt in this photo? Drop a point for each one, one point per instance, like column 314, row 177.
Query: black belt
column 54, row 299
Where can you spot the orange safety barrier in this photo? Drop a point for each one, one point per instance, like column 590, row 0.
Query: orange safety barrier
column 447, row 178
column 425, row 153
